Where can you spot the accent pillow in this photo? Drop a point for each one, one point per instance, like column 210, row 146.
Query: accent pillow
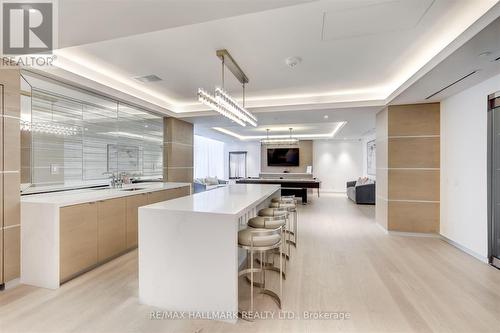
column 211, row 181
column 363, row 181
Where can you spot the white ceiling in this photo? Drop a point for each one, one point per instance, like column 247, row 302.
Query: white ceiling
column 110, row 19
column 478, row 54
column 357, row 55
column 356, row 51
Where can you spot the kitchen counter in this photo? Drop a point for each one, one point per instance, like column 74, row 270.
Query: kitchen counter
column 188, row 248
column 65, row 234
column 74, row 197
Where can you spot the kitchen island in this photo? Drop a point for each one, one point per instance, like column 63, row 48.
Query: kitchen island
column 188, row 248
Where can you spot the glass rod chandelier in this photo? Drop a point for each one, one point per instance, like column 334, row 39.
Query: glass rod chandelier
column 221, row 101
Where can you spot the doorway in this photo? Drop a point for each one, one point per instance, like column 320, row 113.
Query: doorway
column 237, row 164
column 494, row 178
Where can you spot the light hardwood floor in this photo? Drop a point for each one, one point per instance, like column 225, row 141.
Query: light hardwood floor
column 344, row 262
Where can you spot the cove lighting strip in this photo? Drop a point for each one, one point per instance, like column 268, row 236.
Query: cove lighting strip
column 283, row 137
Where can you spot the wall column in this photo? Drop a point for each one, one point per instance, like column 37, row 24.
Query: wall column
column 10, row 154
column 408, row 162
column 177, row 150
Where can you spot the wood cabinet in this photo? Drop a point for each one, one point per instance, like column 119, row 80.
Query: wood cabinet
column 1, row 253
column 78, row 239
column 111, row 229
column 94, row 232
column 159, row 196
column 133, row 204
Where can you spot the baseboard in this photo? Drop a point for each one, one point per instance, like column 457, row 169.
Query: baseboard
column 466, row 250
column 414, row 234
column 435, row 235
column 382, row 228
column 12, row 283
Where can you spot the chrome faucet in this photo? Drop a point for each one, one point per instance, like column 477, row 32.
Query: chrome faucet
column 113, row 178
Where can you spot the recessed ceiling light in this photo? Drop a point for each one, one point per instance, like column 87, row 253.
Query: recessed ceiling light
column 485, row 54
column 148, row 78
column 325, row 116
column 293, row 61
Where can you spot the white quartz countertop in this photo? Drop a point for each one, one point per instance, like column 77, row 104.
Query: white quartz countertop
column 73, row 197
column 230, row 199
column 278, row 180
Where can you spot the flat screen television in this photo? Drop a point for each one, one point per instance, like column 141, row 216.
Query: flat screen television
column 283, row 156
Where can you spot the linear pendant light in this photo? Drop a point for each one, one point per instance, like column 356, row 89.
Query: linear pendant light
column 287, row 141
column 221, row 101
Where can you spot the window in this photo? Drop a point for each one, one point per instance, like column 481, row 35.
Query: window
column 208, row 157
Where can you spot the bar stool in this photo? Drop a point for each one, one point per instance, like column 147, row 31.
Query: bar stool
column 261, row 240
column 284, row 198
column 279, row 212
column 269, row 222
column 291, row 207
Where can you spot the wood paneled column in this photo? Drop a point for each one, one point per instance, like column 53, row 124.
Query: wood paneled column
column 10, row 154
column 408, row 162
column 177, row 150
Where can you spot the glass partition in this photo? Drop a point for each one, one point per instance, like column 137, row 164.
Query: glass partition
column 78, row 138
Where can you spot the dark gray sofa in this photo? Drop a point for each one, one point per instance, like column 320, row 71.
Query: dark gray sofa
column 361, row 194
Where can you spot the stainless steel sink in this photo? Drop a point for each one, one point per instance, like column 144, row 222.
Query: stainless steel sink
column 132, row 189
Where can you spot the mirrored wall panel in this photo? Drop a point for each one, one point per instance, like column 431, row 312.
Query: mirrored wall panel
column 79, row 138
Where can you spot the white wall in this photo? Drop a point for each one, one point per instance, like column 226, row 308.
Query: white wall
column 464, row 217
column 336, row 162
column 253, row 157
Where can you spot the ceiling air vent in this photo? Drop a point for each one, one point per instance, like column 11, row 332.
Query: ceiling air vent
column 147, row 78
column 452, row 84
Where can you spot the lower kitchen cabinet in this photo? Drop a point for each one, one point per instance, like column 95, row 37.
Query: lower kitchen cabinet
column 78, row 239
column 1, row 255
column 159, row 196
column 94, row 232
column 111, row 229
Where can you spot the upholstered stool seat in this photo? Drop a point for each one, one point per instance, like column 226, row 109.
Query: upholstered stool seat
column 245, row 237
column 272, row 212
column 266, row 223
column 283, row 199
column 287, row 205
